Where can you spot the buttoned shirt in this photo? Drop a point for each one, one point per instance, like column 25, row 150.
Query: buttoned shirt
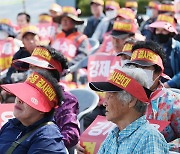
column 137, row 138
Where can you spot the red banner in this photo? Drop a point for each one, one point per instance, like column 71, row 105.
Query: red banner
column 6, row 53
column 107, row 45
column 92, row 138
column 101, row 65
column 65, row 46
column 47, row 32
column 6, row 113
column 95, row 134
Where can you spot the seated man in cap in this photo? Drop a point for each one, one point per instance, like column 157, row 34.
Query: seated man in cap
column 165, row 31
column 164, row 104
column 122, row 30
column 66, row 114
column 126, row 107
column 33, row 130
column 98, row 15
column 30, row 40
column 106, row 24
column 73, row 44
column 152, row 13
column 133, row 5
column 125, row 54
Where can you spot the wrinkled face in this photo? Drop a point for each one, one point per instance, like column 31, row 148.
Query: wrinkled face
column 96, row 9
column 30, row 41
column 22, row 21
column 115, row 109
column 67, row 23
column 25, row 113
column 118, row 43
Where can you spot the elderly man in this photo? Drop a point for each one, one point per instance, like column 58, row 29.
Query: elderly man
column 106, row 24
column 152, row 13
column 30, row 39
column 126, row 102
column 73, row 44
column 95, row 19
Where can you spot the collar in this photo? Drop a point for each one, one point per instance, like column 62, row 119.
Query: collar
column 160, row 91
column 70, row 31
column 129, row 130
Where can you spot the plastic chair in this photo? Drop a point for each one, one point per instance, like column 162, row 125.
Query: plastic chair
column 88, row 100
column 82, row 63
column 175, row 90
column 94, row 45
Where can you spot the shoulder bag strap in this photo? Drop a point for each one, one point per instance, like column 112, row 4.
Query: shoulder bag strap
column 19, row 141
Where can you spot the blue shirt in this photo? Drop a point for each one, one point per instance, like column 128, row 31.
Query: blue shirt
column 46, row 139
column 137, row 138
column 92, row 23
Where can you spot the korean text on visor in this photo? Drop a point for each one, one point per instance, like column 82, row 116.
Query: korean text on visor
column 127, row 83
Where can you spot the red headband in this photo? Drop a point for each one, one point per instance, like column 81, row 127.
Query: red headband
column 127, row 47
column 44, row 87
column 127, row 83
column 166, row 7
column 148, row 56
column 44, row 54
column 126, row 27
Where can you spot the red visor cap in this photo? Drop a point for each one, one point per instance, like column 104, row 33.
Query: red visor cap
column 119, row 81
column 41, row 58
column 166, row 22
column 36, row 91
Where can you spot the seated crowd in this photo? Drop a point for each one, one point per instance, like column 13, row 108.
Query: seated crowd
column 131, row 62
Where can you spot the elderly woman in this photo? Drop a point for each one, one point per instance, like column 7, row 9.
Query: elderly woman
column 126, row 102
column 32, row 129
column 66, row 114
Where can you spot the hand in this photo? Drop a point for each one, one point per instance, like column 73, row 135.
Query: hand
column 80, row 149
column 166, row 85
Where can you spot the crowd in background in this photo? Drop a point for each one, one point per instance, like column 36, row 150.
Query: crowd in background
column 147, row 49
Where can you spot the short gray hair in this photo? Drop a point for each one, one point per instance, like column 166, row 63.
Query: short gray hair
column 140, row 76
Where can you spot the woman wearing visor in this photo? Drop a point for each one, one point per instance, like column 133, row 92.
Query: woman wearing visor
column 33, row 130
